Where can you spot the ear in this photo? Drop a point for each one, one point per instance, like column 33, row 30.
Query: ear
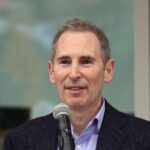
column 51, row 72
column 109, row 69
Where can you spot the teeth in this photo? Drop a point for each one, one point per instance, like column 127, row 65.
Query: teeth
column 75, row 88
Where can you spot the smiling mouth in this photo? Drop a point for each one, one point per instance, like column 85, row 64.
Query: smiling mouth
column 75, row 88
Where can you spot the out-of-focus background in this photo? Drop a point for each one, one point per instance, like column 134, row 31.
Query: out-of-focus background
column 26, row 31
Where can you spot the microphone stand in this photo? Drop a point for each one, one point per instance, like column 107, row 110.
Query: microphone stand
column 65, row 139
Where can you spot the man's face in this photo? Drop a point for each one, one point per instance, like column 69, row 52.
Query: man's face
column 78, row 71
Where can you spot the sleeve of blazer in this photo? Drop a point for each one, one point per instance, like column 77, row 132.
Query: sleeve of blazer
column 7, row 144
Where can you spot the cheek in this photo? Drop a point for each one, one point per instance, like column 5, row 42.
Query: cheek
column 96, row 86
column 96, row 76
column 60, row 77
column 96, row 81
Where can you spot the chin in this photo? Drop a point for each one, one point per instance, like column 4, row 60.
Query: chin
column 75, row 103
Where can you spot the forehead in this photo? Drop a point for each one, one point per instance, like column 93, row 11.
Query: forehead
column 73, row 42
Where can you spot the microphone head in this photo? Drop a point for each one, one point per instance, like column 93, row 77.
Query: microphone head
column 61, row 109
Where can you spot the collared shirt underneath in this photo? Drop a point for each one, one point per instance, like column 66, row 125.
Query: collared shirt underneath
column 88, row 138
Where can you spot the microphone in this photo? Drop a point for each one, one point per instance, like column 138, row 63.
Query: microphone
column 61, row 113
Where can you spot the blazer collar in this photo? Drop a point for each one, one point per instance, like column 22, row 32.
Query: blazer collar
column 112, row 132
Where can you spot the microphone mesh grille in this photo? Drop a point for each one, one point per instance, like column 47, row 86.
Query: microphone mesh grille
column 61, row 109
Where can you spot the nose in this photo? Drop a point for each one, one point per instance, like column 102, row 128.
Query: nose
column 74, row 72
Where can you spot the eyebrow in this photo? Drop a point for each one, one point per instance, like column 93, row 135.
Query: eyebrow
column 62, row 58
column 81, row 57
column 87, row 57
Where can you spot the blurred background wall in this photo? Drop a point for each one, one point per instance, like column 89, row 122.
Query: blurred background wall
column 26, row 31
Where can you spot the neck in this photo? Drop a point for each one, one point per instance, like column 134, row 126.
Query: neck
column 81, row 118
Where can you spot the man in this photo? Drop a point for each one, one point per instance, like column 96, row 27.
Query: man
column 80, row 65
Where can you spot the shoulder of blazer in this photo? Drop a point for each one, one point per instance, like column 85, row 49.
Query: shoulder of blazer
column 121, row 119
column 37, row 132
column 39, row 124
column 118, row 127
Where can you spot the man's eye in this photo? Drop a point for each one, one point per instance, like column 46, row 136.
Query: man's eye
column 86, row 61
column 65, row 62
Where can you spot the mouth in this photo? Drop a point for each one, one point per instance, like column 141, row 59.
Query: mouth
column 75, row 89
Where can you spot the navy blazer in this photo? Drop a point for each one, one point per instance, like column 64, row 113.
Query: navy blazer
column 118, row 132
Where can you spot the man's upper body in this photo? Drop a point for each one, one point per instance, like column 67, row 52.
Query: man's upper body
column 80, row 66
column 118, row 131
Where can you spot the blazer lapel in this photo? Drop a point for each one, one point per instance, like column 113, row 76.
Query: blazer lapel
column 112, row 133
